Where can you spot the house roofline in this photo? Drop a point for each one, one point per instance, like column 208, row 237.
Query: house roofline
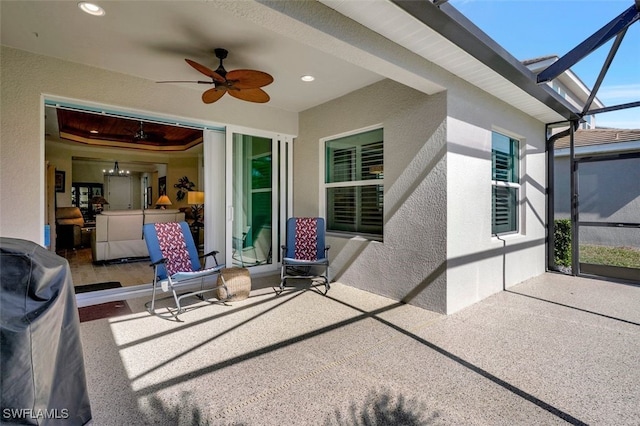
column 454, row 26
column 600, row 137
column 538, row 64
column 537, row 60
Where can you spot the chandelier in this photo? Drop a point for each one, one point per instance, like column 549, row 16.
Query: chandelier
column 116, row 171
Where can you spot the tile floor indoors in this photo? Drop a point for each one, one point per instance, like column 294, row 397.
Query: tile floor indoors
column 84, row 271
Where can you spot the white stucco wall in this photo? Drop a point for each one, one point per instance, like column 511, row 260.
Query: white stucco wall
column 438, row 251
column 27, row 77
column 474, row 259
column 478, row 263
column 409, row 264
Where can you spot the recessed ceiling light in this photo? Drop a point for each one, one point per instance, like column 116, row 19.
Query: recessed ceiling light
column 91, row 8
column 307, row 78
column 93, row 131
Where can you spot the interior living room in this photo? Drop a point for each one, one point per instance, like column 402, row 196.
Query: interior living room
column 117, row 164
column 116, row 173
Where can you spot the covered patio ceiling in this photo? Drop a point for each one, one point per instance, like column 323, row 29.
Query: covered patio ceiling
column 286, row 39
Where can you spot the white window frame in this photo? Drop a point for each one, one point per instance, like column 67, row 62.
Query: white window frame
column 517, row 186
column 322, row 203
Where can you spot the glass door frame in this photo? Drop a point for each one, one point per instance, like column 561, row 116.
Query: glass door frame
column 281, row 196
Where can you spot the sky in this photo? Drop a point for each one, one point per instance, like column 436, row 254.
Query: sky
column 530, row 29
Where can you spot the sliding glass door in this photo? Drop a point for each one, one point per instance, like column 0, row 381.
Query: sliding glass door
column 256, row 197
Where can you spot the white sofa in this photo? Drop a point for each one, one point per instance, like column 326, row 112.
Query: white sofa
column 118, row 233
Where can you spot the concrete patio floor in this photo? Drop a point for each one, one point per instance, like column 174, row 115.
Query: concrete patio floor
column 552, row 350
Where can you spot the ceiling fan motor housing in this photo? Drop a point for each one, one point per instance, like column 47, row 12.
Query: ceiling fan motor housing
column 221, row 54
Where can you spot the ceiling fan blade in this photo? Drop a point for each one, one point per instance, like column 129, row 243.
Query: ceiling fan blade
column 212, row 95
column 206, row 71
column 251, row 95
column 248, row 79
column 186, row 81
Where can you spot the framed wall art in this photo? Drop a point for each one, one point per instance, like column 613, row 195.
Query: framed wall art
column 162, row 185
column 59, row 181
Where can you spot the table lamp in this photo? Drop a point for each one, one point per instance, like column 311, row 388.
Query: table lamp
column 196, row 200
column 99, row 201
column 163, row 201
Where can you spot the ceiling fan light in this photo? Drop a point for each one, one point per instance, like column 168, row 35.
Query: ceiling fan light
column 140, row 134
column 91, row 8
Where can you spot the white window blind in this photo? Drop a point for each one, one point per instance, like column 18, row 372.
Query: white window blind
column 354, row 191
column 506, row 187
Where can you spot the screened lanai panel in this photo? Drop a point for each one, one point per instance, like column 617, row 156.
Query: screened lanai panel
column 609, row 217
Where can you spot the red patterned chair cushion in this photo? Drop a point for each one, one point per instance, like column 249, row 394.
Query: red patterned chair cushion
column 306, row 247
column 173, row 247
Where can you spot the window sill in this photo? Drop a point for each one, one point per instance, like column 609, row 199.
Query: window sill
column 350, row 235
column 507, row 237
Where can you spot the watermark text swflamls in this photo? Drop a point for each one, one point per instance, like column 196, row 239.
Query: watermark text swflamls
column 30, row 413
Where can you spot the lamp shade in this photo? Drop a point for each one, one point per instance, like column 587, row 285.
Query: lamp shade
column 376, row 169
column 195, row 197
column 98, row 199
column 163, row 200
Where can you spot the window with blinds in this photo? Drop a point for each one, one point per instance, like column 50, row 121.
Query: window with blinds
column 354, row 191
column 505, row 182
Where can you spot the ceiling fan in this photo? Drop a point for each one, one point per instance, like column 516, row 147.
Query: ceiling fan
column 144, row 135
column 242, row 84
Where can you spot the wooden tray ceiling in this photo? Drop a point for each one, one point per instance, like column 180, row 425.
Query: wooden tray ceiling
column 103, row 130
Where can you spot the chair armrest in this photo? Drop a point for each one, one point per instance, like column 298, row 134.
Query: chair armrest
column 211, row 253
column 159, row 261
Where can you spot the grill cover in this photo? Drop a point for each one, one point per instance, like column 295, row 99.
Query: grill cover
column 42, row 369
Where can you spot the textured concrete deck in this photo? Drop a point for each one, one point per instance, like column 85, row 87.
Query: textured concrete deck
column 552, row 350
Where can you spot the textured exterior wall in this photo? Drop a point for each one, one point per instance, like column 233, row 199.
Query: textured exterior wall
column 479, row 264
column 438, row 251
column 26, row 77
column 409, row 264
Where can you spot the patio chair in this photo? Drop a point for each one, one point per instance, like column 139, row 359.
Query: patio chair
column 175, row 260
column 305, row 252
column 240, row 248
